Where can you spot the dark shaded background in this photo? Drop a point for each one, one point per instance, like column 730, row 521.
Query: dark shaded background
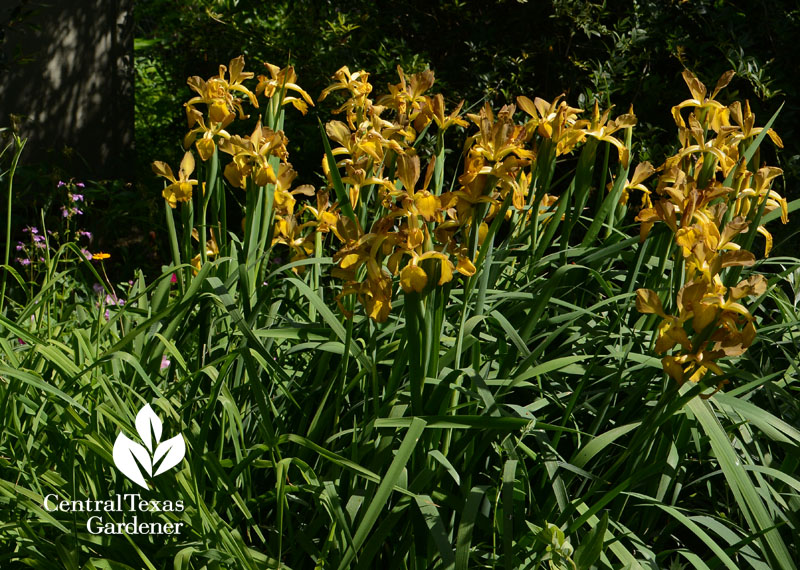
column 67, row 70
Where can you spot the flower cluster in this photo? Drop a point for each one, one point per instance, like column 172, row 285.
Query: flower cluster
column 218, row 102
column 707, row 197
column 32, row 253
column 74, row 199
column 426, row 234
column 393, row 221
column 259, row 159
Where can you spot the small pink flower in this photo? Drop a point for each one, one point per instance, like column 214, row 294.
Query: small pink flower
column 165, row 362
column 114, row 301
column 173, row 279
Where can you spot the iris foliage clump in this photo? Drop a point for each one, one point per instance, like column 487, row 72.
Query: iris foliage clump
column 523, row 350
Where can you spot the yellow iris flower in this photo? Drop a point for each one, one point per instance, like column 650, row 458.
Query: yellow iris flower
column 283, row 79
column 181, row 188
column 251, row 156
column 601, row 128
column 713, row 113
column 358, row 106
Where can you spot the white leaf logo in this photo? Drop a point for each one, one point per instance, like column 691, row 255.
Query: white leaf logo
column 126, row 454
column 172, row 451
column 132, row 458
column 148, row 424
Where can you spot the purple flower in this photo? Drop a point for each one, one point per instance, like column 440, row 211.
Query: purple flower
column 114, row 301
column 38, row 238
column 20, row 246
column 110, row 301
column 165, row 362
column 30, row 229
column 69, row 212
column 97, row 288
column 23, row 261
column 76, row 197
column 80, row 185
column 87, row 254
column 84, row 233
column 61, row 183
